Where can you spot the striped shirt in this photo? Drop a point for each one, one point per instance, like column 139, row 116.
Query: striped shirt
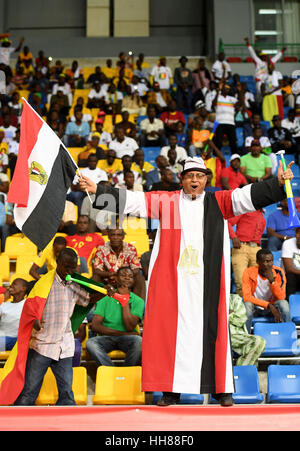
column 56, row 340
column 225, row 111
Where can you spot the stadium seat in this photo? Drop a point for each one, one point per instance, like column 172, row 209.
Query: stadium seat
column 24, row 263
column 87, row 71
column 266, row 124
column 294, row 302
column 185, row 398
column 295, row 183
column 49, row 393
column 283, row 384
column 246, row 386
column 81, row 93
column 4, row 267
column 277, row 258
column 116, row 354
column 20, row 275
column 290, row 59
column 75, row 151
column 118, row 385
column 249, row 60
column 151, row 153
column 4, row 356
column 281, row 339
column 133, row 226
column 234, row 59
column 19, row 245
column 141, row 242
column 240, row 136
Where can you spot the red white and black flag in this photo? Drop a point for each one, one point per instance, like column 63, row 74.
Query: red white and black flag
column 42, row 177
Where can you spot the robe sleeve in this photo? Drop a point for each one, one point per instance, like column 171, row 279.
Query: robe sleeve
column 249, row 198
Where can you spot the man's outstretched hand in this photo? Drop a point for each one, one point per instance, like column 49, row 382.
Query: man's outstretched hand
column 285, row 175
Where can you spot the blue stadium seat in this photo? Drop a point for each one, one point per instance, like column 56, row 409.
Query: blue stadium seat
column 277, row 258
column 266, row 123
column 246, row 386
column 185, row 398
column 151, row 153
column 294, row 302
column 262, row 319
column 281, row 339
column 286, row 110
column 239, row 136
column 283, row 384
column 295, row 183
column 140, row 119
column 267, row 212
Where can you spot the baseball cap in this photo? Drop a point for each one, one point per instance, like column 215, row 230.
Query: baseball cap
column 99, row 121
column 199, row 104
column 235, row 156
column 96, row 134
column 194, row 164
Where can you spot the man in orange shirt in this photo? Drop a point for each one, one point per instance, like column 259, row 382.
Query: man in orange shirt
column 264, row 290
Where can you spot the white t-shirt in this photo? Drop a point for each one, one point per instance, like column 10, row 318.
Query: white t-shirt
column 10, row 313
column 97, row 175
column 93, row 94
column 264, row 141
column 181, row 153
column 5, row 55
column 66, row 88
column 290, row 250
column 141, row 88
column 263, row 290
column 272, row 81
column 162, row 75
column 217, row 69
column 149, row 127
column 85, row 118
column 113, row 97
column 293, row 127
column 225, row 110
column 126, row 147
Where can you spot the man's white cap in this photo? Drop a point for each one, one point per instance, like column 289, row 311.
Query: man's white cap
column 194, row 164
column 234, row 156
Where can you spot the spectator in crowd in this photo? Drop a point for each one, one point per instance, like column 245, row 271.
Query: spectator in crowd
column 202, row 76
column 162, row 74
column 16, row 105
column 141, row 71
column 166, row 182
column 248, row 346
column 63, row 86
column 214, row 163
column 62, row 100
column 92, row 147
column 52, row 342
column 105, row 137
column 96, row 96
column 122, row 144
column 181, row 133
column 69, row 218
column 231, row 177
column 116, row 323
column 128, row 126
column 254, row 122
column 132, row 102
column 175, row 167
column 246, row 242
column 292, row 123
column 47, row 260
column 261, row 65
column 184, row 81
column 95, row 76
column 118, row 177
column 10, row 313
column 111, row 164
column 129, row 182
column 141, row 166
column 3, row 152
column 265, row 144
column 77, row 132
column 4, row 186
column 74, row 75
column 221, row 68
column 6, row 50
column 55, row 123
column 171, row 117
column 290, row 256
column 152, row 130
column 9, row 228
column 208, row 186
column 201, row 111
column 83, row 241
column 108, row 70
column 91, row 171
column 114, row 254
column 180, row 151
column 256, row 166
column 278, row 227
column 154, row 176
column 159, row 98
column 137, row 85
column 280, row 137
column 9, row 129
column 272, row 103
column 113, row 100
column 198, row 135
column 225, row 106
column 264, row 290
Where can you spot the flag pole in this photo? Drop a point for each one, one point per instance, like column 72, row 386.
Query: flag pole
column 88, row 194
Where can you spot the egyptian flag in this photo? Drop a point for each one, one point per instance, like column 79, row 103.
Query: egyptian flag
column 186, row 341
column 13, row 375
column 43, row 174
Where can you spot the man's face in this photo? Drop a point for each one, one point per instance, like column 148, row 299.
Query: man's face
column 17, row 287
column 111, row 156
column 277, row 122
column 66, row 265
column 129, row 179
column 255, row 150
column 57, row 248
column 125, row 278
column 161, row 162
column 120, row 134
column 139, row 156
column 235, row 164
column 265, row 263
column 92, row 162
column 116, row 237
column 193, row 182
column 83, row 224
column 172, row 140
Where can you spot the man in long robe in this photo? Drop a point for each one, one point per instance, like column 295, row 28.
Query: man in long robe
column 186, row 343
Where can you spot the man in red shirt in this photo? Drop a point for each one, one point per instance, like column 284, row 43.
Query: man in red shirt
column 171, row 118
column 245, row 242
column 231, row 177
column 84, row 242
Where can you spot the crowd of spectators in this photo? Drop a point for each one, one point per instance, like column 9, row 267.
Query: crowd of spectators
column 133, row 126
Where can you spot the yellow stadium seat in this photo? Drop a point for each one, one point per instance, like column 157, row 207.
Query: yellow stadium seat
column 24, row 263
column 19, row 245
column 108, row 124
column 87, row 71
column 141, row 243
column 3, row 356
column 24, row 93
column 81, row 93
column 20, row 275
column 118, row 385
column 74, row 152
column 133, row 226
column 116, row 354
column 4, row 267
column 49, row 393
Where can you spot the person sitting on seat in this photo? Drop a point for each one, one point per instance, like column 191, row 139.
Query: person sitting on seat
column 264, row 290
column 47, row 261
column 117, row 323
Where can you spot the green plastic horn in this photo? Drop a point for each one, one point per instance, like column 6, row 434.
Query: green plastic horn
column 86, row 284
